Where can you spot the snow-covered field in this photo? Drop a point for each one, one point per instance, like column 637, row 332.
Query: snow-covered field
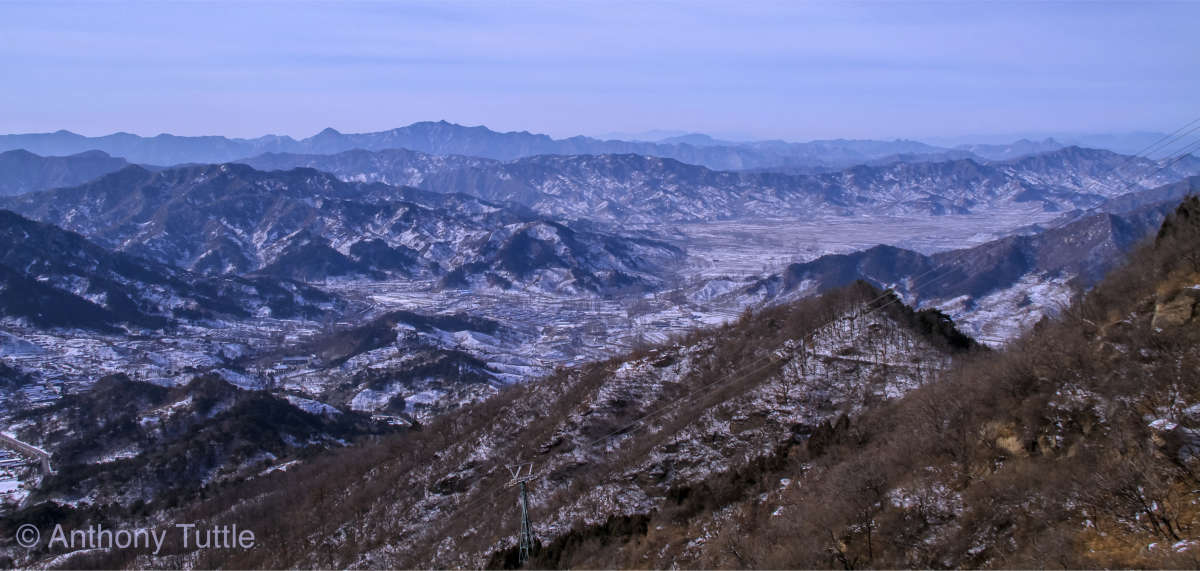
column 743, row 248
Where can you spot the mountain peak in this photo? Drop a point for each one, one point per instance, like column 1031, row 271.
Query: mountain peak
column 93, row 154
column 1076, row 150
column 440, row 124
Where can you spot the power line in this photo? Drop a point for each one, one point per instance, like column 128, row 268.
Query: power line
column 1152, row 146
column 1162, row 143
column 1187, row 151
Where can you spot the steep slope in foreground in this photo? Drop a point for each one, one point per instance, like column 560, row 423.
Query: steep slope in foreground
column 1076, row 447
column 618, row 439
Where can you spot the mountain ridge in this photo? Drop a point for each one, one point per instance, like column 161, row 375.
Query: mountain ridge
column 641, row 189
column 447, row 138
column 58, row 279
column 22, row 171
column 307, row 225
column 996, row 289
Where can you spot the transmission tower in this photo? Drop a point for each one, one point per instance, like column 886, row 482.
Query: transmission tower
column 521, row 474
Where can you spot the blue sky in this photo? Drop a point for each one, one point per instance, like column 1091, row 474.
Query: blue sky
column 790, row 70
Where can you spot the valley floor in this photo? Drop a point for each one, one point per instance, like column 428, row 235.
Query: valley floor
column 749, row 248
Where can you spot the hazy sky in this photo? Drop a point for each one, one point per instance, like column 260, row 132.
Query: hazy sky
column 788, row 70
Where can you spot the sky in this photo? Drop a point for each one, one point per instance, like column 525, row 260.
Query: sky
column 736, row 69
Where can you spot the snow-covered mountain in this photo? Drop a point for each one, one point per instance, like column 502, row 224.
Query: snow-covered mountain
column 52, row 278
column 403, row 365
column 996, row 290
column 134, row 442
column 309, row 336
column 397, row 167
column 307, row 225
column 644, row 189
column 622, row 437
column 842, row 430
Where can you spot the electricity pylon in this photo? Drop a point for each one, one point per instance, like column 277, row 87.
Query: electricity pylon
column 522, row 473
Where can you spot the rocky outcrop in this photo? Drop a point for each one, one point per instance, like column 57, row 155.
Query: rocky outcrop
column 1176, row 308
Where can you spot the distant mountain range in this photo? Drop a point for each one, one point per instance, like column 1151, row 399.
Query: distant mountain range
column 1128, row 143
column 442, row 138
column 22, row 171
column 642, row 189
column 307, row 225
column 397, row 167
column 1014, row 150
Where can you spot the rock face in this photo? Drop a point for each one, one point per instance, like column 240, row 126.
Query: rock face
column 1176, row 308
column 1179, row 238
